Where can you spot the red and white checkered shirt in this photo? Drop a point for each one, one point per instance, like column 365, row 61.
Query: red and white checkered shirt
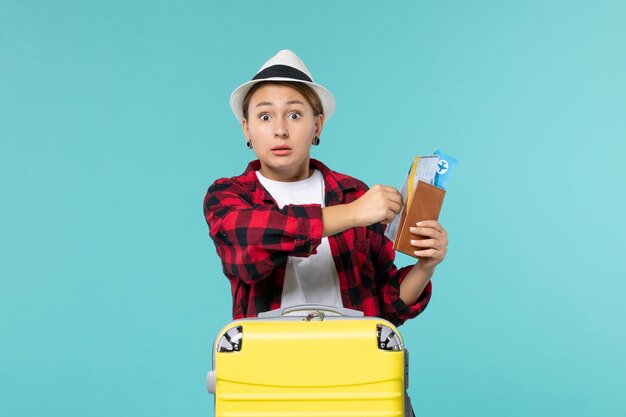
column 254, row 238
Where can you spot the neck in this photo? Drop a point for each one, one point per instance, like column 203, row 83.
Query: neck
column 291, row 174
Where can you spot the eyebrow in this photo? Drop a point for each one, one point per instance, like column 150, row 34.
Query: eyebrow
column 269, row 103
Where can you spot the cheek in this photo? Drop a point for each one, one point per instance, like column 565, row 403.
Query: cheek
column 258, row 129
column 307, row 130
column 305, row 136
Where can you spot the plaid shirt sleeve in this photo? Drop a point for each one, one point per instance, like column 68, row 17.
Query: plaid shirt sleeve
column 253, row 239
column 389, row 278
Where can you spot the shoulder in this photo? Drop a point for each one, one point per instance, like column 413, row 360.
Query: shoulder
column 226, row 183
column 242, row 185
column 229, row 184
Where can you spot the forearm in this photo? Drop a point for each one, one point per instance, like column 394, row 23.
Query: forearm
column 253, row 239
column 337, row 219
column 414, row 283
column 380, row 204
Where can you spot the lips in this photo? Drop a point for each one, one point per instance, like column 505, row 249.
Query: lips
column 281, row 150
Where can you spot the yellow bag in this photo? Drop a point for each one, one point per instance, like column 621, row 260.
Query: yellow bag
column 309, row 361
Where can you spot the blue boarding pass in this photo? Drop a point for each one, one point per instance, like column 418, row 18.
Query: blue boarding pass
column 445, row 168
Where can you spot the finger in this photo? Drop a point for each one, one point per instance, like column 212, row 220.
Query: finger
column 427, row 253
column 396, row 198
column 389, row 189
column 426, row 231
column 395, row 207
column 427, row 244
column 383, row 188
column 430, row 223
column 390, row 215
column 394, row 195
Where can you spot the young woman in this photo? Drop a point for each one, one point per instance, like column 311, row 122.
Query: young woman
column 290, row 231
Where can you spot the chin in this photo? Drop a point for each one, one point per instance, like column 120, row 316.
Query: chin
column 287, row 163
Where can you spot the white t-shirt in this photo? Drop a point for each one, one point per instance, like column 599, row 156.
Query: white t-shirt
column 314, row 279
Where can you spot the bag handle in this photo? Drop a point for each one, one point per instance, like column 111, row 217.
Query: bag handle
column 342, row 311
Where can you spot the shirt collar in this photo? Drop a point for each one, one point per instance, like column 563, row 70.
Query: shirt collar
column 335, row 184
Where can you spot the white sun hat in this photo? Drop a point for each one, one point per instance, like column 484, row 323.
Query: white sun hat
column 284, row 66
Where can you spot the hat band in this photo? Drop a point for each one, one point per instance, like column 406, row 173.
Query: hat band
column 282, row 71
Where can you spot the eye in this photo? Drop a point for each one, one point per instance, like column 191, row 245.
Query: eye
column 295, row 115
column 265, row 117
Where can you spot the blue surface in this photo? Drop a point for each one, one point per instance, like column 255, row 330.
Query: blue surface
column 114, row 120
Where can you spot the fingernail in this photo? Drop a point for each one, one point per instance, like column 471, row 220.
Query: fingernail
column 418, row 224
column 413, row 242
column 413, row 229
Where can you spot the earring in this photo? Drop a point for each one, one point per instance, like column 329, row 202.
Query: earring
column 316, row 140
column 249, row 144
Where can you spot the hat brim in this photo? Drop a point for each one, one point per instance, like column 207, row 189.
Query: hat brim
column 237, row 97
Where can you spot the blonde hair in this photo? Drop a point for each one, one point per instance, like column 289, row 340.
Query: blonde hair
column 309, row 94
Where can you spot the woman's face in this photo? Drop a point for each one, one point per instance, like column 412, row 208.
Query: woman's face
column 281, row 125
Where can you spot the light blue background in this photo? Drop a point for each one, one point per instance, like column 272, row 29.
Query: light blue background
column 114, row 120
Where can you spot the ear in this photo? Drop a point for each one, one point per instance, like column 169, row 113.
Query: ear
column 244, row 128
column 319, row 124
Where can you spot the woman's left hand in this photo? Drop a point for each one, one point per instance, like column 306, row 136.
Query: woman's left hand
column 431, row 250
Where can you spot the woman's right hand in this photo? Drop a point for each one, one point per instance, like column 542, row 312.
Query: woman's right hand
column 380, row 203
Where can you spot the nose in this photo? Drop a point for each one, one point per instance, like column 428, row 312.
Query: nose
column 280, row 131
